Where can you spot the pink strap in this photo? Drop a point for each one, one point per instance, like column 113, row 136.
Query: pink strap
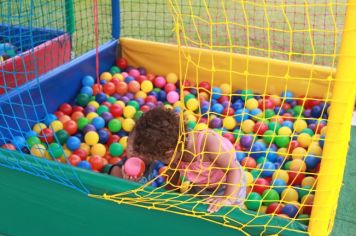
column 199, row 144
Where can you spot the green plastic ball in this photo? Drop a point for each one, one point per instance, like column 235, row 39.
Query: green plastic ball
column 187, row 97
column 246, row 94
column 275, row 126
column 191, row 125
column 116, row 149
column 304, row 219
column 253, row 201
column 111, row 100
column 62, row 136
column 82, row 122
column 261, row 160
column 115, row 70
column 101, row 109
column 270, row 196
column 304, row 191
column 114, row 125
column 55, row 150
column 282, row 140
column 33, row 140
column 138, row 115
column 255, row 173
column 269, row 113
column 308, row 131
column 298, row 110
column 82, row 99
column 268, row 136
column 135, row 104
column 287, row 165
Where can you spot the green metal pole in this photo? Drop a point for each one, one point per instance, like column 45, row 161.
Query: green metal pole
column 70, row 20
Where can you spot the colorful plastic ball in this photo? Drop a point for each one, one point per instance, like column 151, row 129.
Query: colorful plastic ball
column 39, row 127
column 304, row 140
column 129, row 112
column 71, row 127
column 229, row 123
column 172, row 97
column 217, row 108
column 115, row 125
column 106, row 76
column 9, row 146
column 247, row 126
column 73, row 143
column 260, row 186
column 279, row 185
column 216, row 93
column 270, row 196
column 88, row 81
column 282, row 141
column 109, row 88
column 308, row 181
column 246, row 94
column 49, row 118
column 272, row 156
column 316, row 112
column 128, row 124
column 281, row 174
column 260, row 128
column 77, row 115
column 146, row 86
column 82, row 99
column 299, row 125
column 101, row 109
column 192, row 104
column 268, row 136
column 268, row 169
column 66, row 108
column 116, row 110
column 315, row 149
column 122, row 88
column 19, row 142
column 159, row 82
column 64, row 119
column 55, row 150
column 295, row 178
column 84, row 165
column 98, row 122
column 46, row 135
column 287, row 96
column 88, row 128
column 201, row 126
column 311, row 161
column 251, row 104
column 274, row 208
column 285, row 131
column 39, row 150
column 134, row 167
column 290, row 210
column 134, row 104
column 134, row 86
column 62, row 136
column 298, row 165
column 298, row 153
column 253, row 201
column 74, row 159
column 303, row 218
column 170, row 87
column 249, row 178
column 98, row 149
column 91, row 138
column 241, row 115
column 116, row 149
column 100, row 98
column 246, row 141
column 289, row 194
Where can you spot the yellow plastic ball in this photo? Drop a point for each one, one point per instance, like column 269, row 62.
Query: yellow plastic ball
column 283, row 152
column 249, row 178
column 91, row 138
column 251, row 104
column 299, row 153
column 289, row 194
column 192, row 104
column 247, row 126
column 323, row 130
column 128, row 124
column 168, row 106
column 204, row 95
column 201, row 126
column 146, row 86
column 262, row 209
column 178, row 104
column 225, row 88
column 121, row 119
column 285, row 131
column 308, row 199
column 123, row 141
column 118, row 76
column 120, row 103
column 85, row 147
column 304, row 140
column 229, row 122
column 298, row 165
column 38, row 150
column 56, row 125
column 172, row 78
column 66, row 152
column 140, row 94
column 129, row 112
column 299, row 125
column 94, row 104
column 106, row 76
column 308, row 181
column 190, row 118
column 315, row 149
column 281, row 174
column 92, row 115
column 98, row 149
column 39, row 127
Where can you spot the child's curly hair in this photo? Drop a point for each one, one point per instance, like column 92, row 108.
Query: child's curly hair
column 156, row 133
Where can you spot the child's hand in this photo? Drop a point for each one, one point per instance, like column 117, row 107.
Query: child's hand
column 216, row 202
column 131, row 178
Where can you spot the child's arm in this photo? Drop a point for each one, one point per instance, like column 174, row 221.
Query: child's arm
column 226, row 162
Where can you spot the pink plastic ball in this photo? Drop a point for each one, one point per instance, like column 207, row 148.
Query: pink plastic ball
column 170, row 87
column 134, row 73
column 124, row 74
column 159, row 82
column 134, row 167
column 172, row 97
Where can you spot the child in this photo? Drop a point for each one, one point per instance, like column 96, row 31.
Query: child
column 208, row 160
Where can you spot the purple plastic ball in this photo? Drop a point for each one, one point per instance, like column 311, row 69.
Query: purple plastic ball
column 128, row 68
column 107, row 116
column 88, row 128
column 130, row 96
column 140, row 101
column 151, row 105
column 117, row 96
column 89, row 109
column 125, row 99
column 225, row 104
column 216, row 123
column 307, row 113
column 204, row 103
column 142, row 71
column 160, row 104
column 246, row 141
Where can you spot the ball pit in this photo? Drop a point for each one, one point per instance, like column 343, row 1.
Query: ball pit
column 277, row 144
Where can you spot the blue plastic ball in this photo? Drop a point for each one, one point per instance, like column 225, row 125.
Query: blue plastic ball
column 311, row 161
column 87, row 90
column 217, row 108
column 160, row 180
column 268, row 169
column 128, row 79
column 287, row 95
column 19, row 142
column 255, row 112
column 258, row 150
column 241, row 115
column 240, row 155
column 279, row 185
column 238, row 104
column 102, row 82
column 316, row 111
column 288, row 123
column 290, row 210
column 122, row 133
column 88, row 81
column 279, row 110
column 100, row 98
column 103, row 136
column 322, row 141
column 98, row 122
column 272, row 156
column 49, row 118
column 162, row 96
column 80, row 136
column 204, row 109
column 154, row 184
column 73, row 143
column 216, row 93
column 31, row 133
column 84, row 165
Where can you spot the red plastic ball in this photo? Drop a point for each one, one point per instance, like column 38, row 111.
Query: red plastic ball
column 204, row 86
column 311, row 102
column 318, row 128
column 77, row 108
column 96, row 162
column 81, row 153
column 295, row 178
column 265, row 103
column 8, row 146
column 74, row 159
column 113, row 139
column 228, row 111
column 116, row 110
column 134, row 167
column 249, row 163
column 260, row 128
column 260, row 185
column 109, row 88
column 274, row 208
column 66, row 109
column 238, row 147
column 71, row 127
column 170, row 87
column 115, row 81
column 150, row 77
column 300, row 100
column 286, row 106
column 288, row 116
column 58, row 114
column 46, row 135
column 106, row 103
column 121, row 63
column 145, row 108
column 293, row 145
column 114, row 160
column 151, row 98
column 223, row 98
column 134, row 86
column 141, row 78
column 97, row 88
column 122, row 88
column 230, row 137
